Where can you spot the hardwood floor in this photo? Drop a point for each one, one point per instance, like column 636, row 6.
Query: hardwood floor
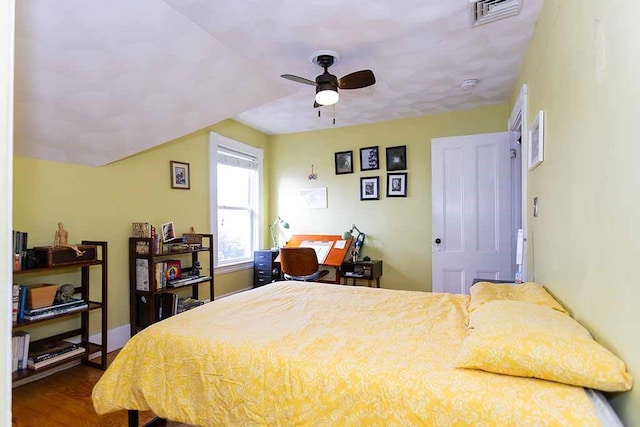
column 64, row 399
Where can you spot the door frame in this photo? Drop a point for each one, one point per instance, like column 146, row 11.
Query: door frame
column 518, row 124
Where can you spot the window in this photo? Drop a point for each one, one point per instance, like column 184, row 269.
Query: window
column 235, row 183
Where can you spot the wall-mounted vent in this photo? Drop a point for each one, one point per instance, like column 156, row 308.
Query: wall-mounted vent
column 485, row 11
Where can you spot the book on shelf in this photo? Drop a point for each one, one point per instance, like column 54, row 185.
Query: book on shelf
column 31, row 364
column 160, row 269
column 172, row 270
column 54, row 311
column 167, row 305
column 20, row 345
column 19, row 250
column 15, row 346
column 15, row 304
column 23, row 302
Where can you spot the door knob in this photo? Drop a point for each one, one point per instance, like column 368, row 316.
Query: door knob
column 438, row 241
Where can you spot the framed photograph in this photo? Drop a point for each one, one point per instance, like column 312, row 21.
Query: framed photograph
column 168, row 232
column 397, row 158
column 369, row 186
column 344, row 162
column 536, row 141
column 180, row 175
column 369, row 159
column 397, row 184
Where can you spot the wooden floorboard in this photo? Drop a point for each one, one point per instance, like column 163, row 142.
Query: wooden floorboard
column 64, row 399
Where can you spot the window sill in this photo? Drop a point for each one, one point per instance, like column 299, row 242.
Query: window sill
column 230, row 268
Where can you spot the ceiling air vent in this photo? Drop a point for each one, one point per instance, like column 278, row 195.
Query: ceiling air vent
column 485, row 11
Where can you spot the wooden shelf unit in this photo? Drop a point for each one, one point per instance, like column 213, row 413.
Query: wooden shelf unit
column 153, row 292
column 83, row 330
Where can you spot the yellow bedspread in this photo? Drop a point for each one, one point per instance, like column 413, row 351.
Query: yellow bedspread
column 325, row 355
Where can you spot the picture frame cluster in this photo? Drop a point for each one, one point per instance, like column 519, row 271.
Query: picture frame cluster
column 369, row 158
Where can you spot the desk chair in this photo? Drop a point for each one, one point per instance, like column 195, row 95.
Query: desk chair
column 300, row 264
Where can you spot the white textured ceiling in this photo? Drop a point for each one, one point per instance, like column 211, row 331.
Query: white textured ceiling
column 101, row 80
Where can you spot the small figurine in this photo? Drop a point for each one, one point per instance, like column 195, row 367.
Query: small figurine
column 61, row 239
column 192, row 230
column 195, row 270
column 65, row 293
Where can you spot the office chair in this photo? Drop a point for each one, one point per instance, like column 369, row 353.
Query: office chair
column 300, row 264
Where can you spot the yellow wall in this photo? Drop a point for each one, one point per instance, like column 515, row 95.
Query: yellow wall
column 398, row 230
column 582, row 69
column 101, row 203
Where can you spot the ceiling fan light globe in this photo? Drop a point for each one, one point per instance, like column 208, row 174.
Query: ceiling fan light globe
column 327, row 96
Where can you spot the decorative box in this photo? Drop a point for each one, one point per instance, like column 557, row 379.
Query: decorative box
column 54, row 256
column 192, row 239
column 41, row 295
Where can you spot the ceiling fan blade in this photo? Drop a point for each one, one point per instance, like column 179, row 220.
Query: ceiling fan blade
column 357, row 80
column 298, row 79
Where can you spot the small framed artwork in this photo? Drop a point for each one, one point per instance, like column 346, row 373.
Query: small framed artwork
column 369, row 158
column 397, row 184
column 369, row 186
column 168, row 232
column 397, row 158
column 536, row 141
column 180, row 175
column 344, row 162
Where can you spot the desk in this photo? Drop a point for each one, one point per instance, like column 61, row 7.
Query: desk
column 335, row 256
column 365, row 270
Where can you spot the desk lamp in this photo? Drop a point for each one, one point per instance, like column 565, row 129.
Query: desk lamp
column 272, row 227
column 357, row 246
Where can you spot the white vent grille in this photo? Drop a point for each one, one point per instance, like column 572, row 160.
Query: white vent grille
column 485, row 11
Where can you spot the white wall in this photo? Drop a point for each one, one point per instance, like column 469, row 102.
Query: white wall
column 7, row 20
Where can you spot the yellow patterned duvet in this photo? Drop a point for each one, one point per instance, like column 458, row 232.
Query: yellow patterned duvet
column 325, row 355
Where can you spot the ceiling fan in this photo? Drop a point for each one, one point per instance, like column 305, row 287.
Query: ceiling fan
column 327, row 84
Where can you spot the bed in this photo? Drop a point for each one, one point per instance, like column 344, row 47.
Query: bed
column 293, row 353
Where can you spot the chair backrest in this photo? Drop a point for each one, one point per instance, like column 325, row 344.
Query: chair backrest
column 298, row 261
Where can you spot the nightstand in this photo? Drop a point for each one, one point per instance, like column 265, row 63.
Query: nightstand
column 364, row 270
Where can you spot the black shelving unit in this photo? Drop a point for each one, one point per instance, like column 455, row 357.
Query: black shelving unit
column 143, row 304
column 84, row 290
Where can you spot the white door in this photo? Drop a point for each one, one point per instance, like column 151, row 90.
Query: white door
column 471, row 203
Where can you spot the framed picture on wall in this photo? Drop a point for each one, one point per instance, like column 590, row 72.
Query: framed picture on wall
column 369, row 159
column 536, row 141
column 397, row 184
column 397, row 158
column 180, row 178
column 369, row 187
column 344, row 162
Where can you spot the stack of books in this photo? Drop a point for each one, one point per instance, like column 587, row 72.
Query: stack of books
column 20, row 347
column 74, row 304
column 47, row 354
column 185, row 304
